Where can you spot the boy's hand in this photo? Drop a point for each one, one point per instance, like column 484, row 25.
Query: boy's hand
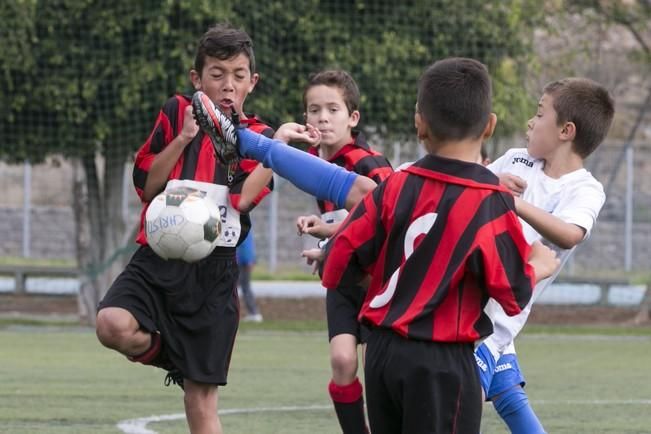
column 314, row 257
column 313, row 225
column 514, row 183
column 543, row 260
column 293, row 132
column 190, row 126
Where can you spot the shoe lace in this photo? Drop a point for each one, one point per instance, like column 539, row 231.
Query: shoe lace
column 174, row 377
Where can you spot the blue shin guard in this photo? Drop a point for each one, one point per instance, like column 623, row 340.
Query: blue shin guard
column 325, row 181
column 513, row 407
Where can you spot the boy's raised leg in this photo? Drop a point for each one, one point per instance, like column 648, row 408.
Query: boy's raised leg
column 313, row 175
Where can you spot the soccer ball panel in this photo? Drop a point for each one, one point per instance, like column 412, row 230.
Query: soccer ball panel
column 171, row 246
column 191, row 232
column 195, row 209
column 198, row 251
column 212, row 228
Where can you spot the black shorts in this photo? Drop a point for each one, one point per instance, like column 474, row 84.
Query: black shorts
column 420, row 386
column 193, row 306
column 342, row 308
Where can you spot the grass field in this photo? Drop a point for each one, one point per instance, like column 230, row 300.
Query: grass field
column 60, row 380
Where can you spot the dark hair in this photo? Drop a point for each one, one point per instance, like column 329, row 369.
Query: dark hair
column 223, row 41
column 336, row 78
column 455, row 98
column 588, row 105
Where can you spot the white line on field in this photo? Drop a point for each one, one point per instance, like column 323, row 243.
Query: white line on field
column 139, row 425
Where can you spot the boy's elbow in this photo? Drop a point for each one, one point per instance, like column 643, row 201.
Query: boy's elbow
column 366, row 185
column 361, row 187
column 567, row 244
column 572, row 240
column 244, row 205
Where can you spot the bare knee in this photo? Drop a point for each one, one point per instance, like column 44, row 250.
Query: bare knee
column 344, row 364
column 200, row 395
column 115, row 327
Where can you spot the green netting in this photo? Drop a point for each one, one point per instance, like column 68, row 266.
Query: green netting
column 82, row 82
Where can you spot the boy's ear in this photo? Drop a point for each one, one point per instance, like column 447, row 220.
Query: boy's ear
column 254, row 80
column 421, row 126
column 195, row 78
column 354, row 118
column 568, row 132
column 490, row 127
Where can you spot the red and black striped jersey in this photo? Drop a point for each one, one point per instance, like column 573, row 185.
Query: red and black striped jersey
column 357, row 156
column 198, row 161
column 438, row 239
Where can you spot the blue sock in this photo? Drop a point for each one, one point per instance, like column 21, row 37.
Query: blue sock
column 513, row 407
column 325, row 181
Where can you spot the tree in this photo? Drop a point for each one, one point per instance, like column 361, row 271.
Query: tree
column 89, row 83
column 85, row 79
column 386, row 46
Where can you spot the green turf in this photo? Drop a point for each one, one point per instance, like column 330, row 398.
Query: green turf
column 60, row 380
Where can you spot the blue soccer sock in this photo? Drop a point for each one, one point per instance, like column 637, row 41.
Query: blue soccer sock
column 325, row 181
column 513, row 407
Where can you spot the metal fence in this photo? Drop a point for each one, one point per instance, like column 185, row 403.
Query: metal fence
column 36, row 215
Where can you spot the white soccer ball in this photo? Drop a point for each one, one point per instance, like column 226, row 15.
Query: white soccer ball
column 182, row 224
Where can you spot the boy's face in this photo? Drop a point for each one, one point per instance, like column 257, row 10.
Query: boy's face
column 226, row 82
column 326, row 110
column 543, row 132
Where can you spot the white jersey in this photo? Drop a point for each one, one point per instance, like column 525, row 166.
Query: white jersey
column 576, row 197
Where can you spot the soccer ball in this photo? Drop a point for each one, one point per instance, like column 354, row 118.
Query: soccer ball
column 182, row 223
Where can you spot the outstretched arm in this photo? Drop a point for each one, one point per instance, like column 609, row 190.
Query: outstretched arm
column 311, row 174
column 564, row 235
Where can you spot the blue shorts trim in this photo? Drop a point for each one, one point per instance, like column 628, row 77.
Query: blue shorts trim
column 507, row 374
column 485, row 366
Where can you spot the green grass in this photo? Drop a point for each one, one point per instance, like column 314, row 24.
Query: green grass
column 260, row 272
column 60, row 380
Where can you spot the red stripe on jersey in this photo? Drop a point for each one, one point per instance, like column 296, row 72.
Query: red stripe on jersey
column 380, row 174
column 391, row 194
column 498, row 277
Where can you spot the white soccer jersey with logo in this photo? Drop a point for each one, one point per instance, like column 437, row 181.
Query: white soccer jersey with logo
column 576, row 197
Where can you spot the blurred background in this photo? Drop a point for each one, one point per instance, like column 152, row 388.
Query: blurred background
column 82, row 82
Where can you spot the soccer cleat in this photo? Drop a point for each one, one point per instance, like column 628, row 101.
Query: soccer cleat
column 217, row 126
